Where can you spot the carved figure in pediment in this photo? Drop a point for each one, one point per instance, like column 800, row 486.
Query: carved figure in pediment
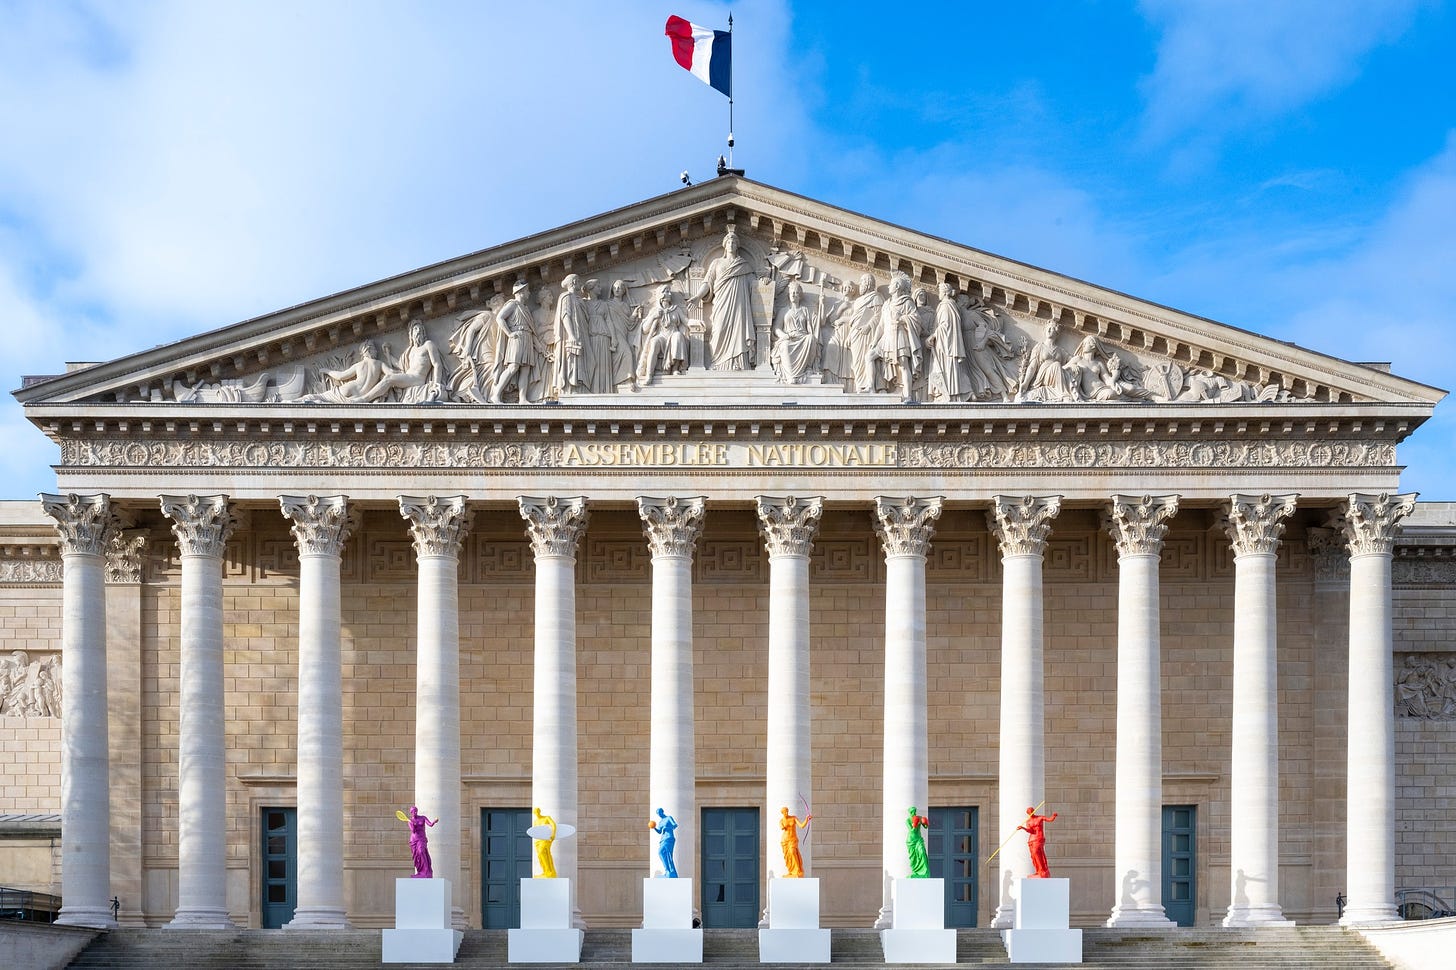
column 864, row 333
column 354, row 384
column 796, row 351
column 597, row 354
column 573, row 324
column 836, row 355
column 473, row 346
column 623, row 321
column 419, row 375
column 520, row 354
column 1045, row 377
column 664, row 338
column 926, row 313
column 544, row 318
column 730, row 282
column 900, row 346
column 948, row 376
column 283, row 385
column 991, row 358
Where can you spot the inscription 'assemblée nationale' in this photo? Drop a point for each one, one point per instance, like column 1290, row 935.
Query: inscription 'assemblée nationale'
column 729, row 455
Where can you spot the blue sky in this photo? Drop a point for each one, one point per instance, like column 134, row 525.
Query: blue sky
column 1287, row 167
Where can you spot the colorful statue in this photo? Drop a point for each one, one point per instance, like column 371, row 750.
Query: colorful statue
column 1035, row 830
column 790, row 825
column 665, row 825
column 543, row 845
column 419, row 843
column 915, row 844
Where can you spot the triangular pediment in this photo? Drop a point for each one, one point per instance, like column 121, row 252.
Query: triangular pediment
column 643, row 305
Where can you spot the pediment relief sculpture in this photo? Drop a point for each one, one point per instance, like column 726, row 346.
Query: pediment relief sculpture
column 725, row 312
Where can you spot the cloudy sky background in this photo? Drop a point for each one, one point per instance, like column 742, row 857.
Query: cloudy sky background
column 172, row 168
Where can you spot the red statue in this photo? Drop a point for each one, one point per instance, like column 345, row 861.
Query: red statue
column 1034, row 827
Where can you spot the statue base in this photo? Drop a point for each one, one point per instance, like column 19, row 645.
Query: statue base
column 793, row 934
column 1042, row 916
column 917, row 933
column 667, row 934
column 546, row 934
column 422, row 932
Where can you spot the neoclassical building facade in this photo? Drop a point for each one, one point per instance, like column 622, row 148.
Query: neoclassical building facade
column 723, row 503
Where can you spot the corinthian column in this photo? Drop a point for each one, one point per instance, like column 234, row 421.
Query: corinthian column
column 202, row 525
column 1254, row 524
column 438, row 527
column 788, row 526
column 555, row 526
column 321, row 526
column 672, row 526
column 1021, row 526
column 85, row 523
column 904, row 526
column 1136, row 525
column 1369, row 526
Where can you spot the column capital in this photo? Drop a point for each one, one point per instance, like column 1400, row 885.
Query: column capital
column 1328, row 553
column 85, row 523
column 126, row 556
column 788, row 524
column 672, row 525
column 1254, row 523
column 554, row 525
column 437, row 525
column 321, row 524
column 905, row 525
column 202, row 523
column 1137, row 523
column 1369, row 522
column 1021, row 524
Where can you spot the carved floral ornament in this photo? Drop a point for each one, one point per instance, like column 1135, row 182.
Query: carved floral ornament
column 788, row 525
column 672, row 524
column 438, row 526
column 85, row 523
column 1370, row 521
column 906, row 525
column 555, row 525
column 202, row 524
column 320, row 526
column 730, row 304
column 1254, row 523
column 1137, row 525
column 1022, row 525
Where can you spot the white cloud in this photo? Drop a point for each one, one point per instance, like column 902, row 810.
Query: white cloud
column 1221, row 62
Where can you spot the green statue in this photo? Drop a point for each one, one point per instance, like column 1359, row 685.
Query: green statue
column 915, row 844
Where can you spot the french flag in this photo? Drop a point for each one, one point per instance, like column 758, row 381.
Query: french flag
column 706, row 52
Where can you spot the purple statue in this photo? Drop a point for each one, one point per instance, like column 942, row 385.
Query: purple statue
column 419, row 843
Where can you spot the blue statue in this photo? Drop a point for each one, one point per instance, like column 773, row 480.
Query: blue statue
column 665, row 825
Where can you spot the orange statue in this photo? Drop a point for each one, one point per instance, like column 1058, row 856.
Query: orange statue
column 790, row 825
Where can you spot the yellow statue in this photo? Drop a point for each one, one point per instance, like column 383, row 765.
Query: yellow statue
column 793, row 861
column 540, row 824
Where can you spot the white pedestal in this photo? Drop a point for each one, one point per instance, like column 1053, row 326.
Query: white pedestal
column 793, row 934
column 918, row 934
column 667, row 934
column 422, row 932
column 1041, row 934
column 546, row 934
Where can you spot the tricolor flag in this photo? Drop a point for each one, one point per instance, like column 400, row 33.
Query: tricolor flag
column 706, row 52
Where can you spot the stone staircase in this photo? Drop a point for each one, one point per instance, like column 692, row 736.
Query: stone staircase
column 1266, row 949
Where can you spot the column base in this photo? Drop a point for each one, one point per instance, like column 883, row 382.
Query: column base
column 95, row 917
column 1148, row 918
column 1005, row 917
column 1267, row 915
column 201, row 919
column 1378, row 913
column 318, row 918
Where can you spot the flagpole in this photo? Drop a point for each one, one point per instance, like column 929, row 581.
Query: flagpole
column 730, row 90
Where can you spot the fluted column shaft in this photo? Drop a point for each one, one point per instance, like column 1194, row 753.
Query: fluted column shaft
column 1370, row 525
column 320, row 528
column 905, row 527
column 788, row 526
column 202, row 526
column 1021, row 526
column 1137, row 527
column 672, row 526
column 438, row 527
column 84, row 523
column 1254, row 524
column 555, row 526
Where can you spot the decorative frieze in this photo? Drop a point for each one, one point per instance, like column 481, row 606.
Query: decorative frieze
column 789, row 524
column 209, row 453
column 906, row 525
column 1254, row 523
column 672, row 525
column 554, row 525
column 437, row 525
column 1021, row 525
column 28, row 571
column 202, row 524
column 320, row 525
column 1137, row 525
